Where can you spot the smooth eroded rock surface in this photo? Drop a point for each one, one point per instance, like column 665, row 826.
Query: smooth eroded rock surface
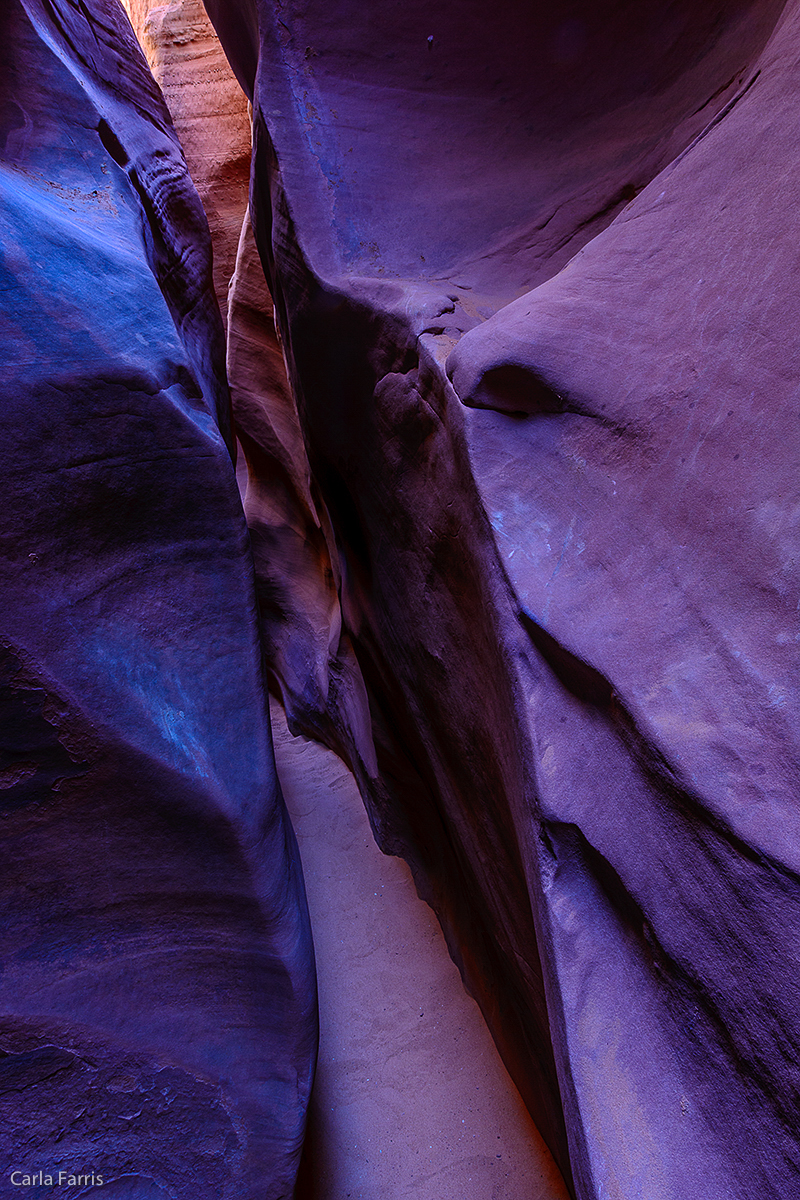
column 209, row 112
column 572, row 617
column 158, row 998
column 646, row 509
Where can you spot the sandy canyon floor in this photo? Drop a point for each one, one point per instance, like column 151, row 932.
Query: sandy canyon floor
column 411, row 1098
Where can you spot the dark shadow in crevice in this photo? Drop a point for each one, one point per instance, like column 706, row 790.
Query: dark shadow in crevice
column 578, row 677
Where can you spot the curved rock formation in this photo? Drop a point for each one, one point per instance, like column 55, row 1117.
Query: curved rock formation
column 572, row 616
column 209, row 112
column 294, row 549
column 660, row 583
column 553, row 633
column 158, row 1023
column 410, row 1096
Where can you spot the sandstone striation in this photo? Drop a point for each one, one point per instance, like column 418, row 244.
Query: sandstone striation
column 209, row 112
column 158, row 998
column 308, row 655
column 660, row 584
column 521, row 440
column 294, row 550
column 571, row 615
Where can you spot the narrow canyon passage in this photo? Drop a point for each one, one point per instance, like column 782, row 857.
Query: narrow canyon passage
column 507, row 345
column 411, row 1098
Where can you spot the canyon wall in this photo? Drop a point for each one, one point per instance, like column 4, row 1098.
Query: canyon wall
column 518, row 446
column 158, row 998
column 571, row 609
column 209, row 113
column 294, row 550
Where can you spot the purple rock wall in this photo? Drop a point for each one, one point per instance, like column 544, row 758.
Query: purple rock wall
column 157, row 995
column 660, row 584
column 553, row 632
column 573, row 615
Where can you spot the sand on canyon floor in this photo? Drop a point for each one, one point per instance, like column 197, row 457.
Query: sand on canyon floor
column 411, row 1098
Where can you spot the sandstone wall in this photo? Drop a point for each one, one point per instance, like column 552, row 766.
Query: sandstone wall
column 158, row 997
column 571, row 615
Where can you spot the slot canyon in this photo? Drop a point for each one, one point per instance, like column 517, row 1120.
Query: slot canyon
column 400, row 748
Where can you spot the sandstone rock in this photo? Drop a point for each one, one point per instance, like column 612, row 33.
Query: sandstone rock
column 410, row 1096
column 310, row 662
column 659, row 581
column 158, row 992
column 575, row 647
column 209, row 112
column 309, row 659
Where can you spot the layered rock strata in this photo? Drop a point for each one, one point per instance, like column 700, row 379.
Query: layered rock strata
column 209, row 112
column 571, row 617
column 158, row 998
column 291, row 539
column 660, row 583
